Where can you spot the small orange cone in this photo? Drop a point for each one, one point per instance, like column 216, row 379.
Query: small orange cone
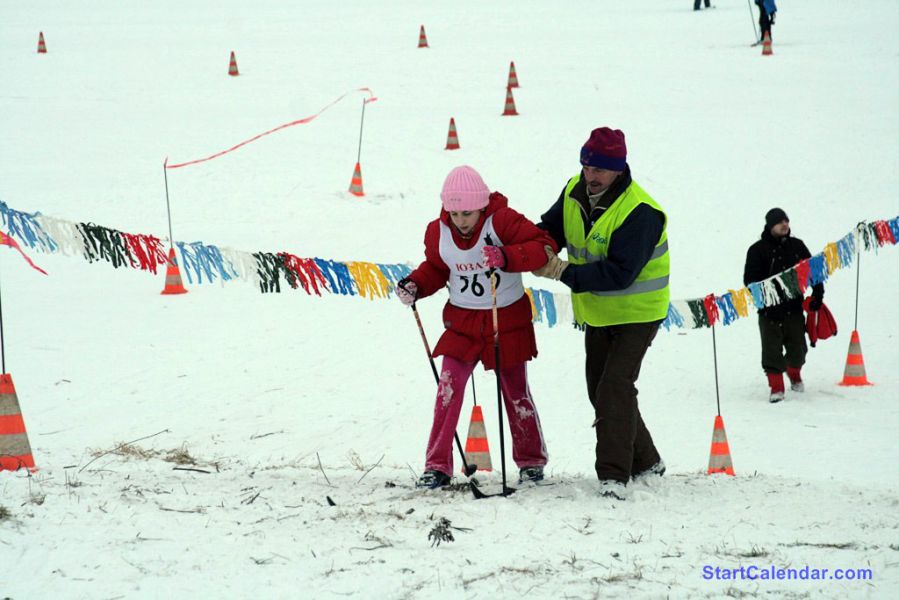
column 477, row 452
column 422, row 38
column 854, row 374
column 513, row 76
column 766, row 45
column 41, row 46
column 232, row 68
column 15, row 451
column 510, row 104
column 452, row 138
column 719, row 458
column 356, row 182
column 173, row 283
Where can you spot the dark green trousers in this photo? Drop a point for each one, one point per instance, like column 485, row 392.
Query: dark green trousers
column 624, row 446
column 783, row 343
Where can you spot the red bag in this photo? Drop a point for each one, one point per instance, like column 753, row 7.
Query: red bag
column 819, row 324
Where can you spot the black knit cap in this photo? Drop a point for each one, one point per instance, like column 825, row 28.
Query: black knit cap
column 775, row 216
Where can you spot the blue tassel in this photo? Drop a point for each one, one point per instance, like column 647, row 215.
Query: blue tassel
column 726, row 308
column 758, row 294
column 25, row 227
column 846, row 250
column 338, row 276
column 674, row 318
column 894, row 227
column 393, row 273
column 204, row 259
column 549, row 307
column 817, row 270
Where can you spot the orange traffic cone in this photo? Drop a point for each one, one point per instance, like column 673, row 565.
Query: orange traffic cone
column 452, row 138
column 232, row 68
column 15, row 451
column 422, row 38
column 477, row 452
column 719, row 458
column 766, row 45
column 41, row 46
column 356, row 182
column 510, row 104
column 854, row 374
column 513, row 76
column 173, row 283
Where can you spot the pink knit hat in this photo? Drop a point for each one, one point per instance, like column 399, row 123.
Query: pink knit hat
column 463, row 189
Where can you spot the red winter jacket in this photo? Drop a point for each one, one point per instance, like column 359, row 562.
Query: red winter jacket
column 469, row 332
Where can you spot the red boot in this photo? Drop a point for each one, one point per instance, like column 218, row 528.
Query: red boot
column 776, row 382
column 795, row 379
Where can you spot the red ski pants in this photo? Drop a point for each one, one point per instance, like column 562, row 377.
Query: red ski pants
column 528, row 446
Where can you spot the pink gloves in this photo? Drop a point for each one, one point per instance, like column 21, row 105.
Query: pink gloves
column 406, row 291
column 493, row 257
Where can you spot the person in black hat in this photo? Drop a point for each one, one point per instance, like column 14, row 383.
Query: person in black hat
column 782, row 326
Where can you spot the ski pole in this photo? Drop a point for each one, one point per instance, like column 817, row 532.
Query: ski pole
column 469, row 469
column 499, row 387
column 752, row 18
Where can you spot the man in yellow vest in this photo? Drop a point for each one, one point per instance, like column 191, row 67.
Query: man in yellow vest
column 617, row 269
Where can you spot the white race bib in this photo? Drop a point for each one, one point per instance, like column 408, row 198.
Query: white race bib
column 469, row 283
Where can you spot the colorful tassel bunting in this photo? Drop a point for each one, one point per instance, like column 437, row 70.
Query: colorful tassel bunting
column 207, row 263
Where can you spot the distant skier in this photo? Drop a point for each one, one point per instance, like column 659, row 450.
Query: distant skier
column 697, row 2
column 477, row 232
column 782, row 326
column 767, row 10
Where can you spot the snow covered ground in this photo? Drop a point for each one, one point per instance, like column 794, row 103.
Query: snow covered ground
column 281, row 401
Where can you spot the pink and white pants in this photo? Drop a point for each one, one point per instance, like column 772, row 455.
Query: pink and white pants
column 528, row 446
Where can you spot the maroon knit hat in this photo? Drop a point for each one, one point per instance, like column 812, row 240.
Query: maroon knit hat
column 605, row 150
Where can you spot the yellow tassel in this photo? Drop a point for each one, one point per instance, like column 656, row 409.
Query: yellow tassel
column 533, row 304
column 832, row 257
column 370, row 281
column 742, row 299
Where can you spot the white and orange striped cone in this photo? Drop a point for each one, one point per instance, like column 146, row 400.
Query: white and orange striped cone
column 719, row 458
column 854, row 373
column 513, row 76
column 510, row 104
column 422, row 38
column 767, row 50
column 173, row 284
column 15, row 451
column 41, row 46
column 232, row 67
column 477, row 451
column 356, row 182
column 452, row 138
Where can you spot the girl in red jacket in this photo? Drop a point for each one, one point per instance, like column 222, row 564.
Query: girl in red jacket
column 475, row 233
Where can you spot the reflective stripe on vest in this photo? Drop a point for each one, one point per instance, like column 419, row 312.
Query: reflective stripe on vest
column 646, row 299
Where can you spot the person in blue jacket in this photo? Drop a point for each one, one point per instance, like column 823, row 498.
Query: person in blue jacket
column 767, row 10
